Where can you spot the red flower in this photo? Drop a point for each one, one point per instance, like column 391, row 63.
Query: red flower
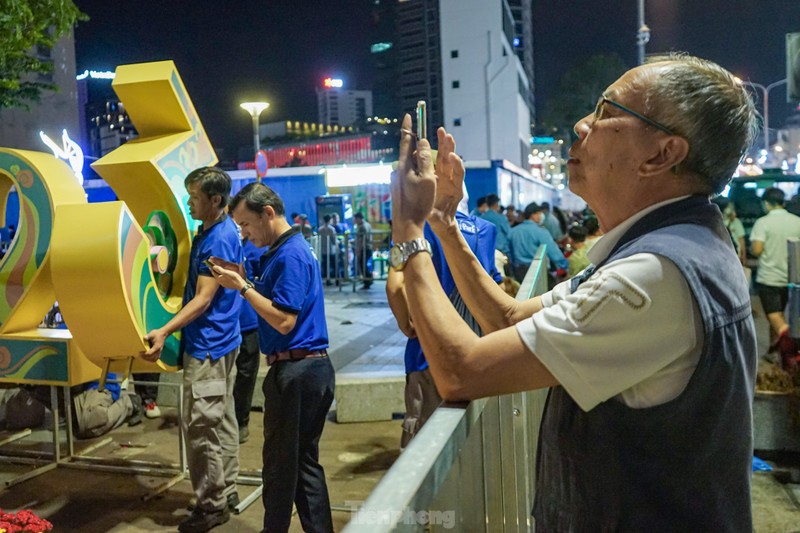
column 24, row 521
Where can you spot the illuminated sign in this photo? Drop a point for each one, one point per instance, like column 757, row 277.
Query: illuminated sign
column 377, row 48
column 354, row 176
column 95, row 75
column 69, row 152
column 332, row 83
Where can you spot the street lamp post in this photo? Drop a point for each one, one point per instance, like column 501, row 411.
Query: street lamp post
column 765, row 93
column 255, row 109
column 643, row 35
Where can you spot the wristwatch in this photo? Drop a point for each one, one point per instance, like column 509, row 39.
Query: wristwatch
column 402, row 251
column 247, row 287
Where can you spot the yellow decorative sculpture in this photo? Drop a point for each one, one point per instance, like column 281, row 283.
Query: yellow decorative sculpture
column 27, row 353
column 117, row 268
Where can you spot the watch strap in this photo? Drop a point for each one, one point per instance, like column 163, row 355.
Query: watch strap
column 247, row 287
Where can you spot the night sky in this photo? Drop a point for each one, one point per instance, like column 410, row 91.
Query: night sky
column 280, row 50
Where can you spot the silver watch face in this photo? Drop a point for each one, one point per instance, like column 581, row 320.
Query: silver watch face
column 396, row 256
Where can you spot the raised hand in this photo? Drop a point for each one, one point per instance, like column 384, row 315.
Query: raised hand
column 413, row 186
column 449, row 183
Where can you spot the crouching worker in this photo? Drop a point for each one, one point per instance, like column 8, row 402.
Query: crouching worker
column 97, row 412
column 94, row 412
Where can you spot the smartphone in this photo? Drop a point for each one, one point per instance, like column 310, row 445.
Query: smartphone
column 209, row 264
column 422, row 120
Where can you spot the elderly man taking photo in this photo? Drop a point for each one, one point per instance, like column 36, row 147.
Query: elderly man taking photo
column 650, row 351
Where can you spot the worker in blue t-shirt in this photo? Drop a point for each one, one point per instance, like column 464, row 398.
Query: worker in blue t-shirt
column 247, row 361
column 287, row 294
column 209, row 320
column 421, row 396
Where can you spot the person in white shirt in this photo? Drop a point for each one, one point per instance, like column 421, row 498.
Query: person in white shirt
column 768, row 242
column 650, row 352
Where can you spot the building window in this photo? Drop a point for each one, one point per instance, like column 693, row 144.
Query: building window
column 453, row 54
column 457, row 122
column 456, row 84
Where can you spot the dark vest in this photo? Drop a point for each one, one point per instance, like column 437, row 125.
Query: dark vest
column 681, row 466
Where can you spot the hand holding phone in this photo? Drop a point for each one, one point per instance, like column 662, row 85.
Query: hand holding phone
column 222, row 263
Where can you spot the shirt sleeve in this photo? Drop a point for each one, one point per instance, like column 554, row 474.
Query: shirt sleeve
column 558, row 293
column 229, row 249
column 737, row 229
column 487, row 238
column 292, row 284
column 758, row 233
column 631, row 319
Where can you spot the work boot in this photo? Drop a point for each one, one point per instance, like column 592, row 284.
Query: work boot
column 244, row 434
column 233, row 501
column 201, row 521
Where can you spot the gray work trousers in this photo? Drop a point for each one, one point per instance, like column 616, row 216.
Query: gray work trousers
column 209, row 424
column 96, row 413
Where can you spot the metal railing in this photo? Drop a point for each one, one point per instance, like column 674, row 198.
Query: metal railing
column 471, row 467
column 345, row 263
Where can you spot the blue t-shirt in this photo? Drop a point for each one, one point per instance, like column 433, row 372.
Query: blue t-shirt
column 525, row 239
column 248, row 318
column 215, row 332
column 111, row 386
column 480, row 236
column 503, row 228
column 290, row 277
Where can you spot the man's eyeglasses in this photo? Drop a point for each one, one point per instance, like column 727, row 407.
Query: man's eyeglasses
column 598, row 112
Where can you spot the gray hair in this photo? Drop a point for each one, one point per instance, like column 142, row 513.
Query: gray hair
column 709, row 107
column 256, row 196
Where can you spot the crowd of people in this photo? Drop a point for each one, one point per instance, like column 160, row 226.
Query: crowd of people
column 645, row 338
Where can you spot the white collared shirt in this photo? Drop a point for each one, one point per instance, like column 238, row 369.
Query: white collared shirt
column 632, row 331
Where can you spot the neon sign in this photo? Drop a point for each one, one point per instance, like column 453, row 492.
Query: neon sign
column 332, row 83
column 70, row 152
column 95, row 75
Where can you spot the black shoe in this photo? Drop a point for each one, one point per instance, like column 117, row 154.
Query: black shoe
column 244, row 434
column 233, row 501
column 136, row 415
column 201, row 521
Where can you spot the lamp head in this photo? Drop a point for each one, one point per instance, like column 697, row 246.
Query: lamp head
column 254, row 108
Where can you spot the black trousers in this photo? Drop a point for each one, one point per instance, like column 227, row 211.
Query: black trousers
column 297, row 396
column 149, row 393
column 246, row 374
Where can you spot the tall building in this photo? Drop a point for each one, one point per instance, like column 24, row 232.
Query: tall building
column 383, row 50
column 472, row 63
column 486, row 90
column 109, row 127
column 522, row 12
column 105, row 125
column 56, row 111
column 419, row 57
column 342, row 107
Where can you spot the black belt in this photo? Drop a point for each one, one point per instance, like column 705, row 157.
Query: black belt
column 295, row 355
